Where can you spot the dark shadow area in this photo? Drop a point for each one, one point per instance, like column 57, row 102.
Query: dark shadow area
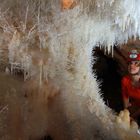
column 108, row 74
column 46, row 138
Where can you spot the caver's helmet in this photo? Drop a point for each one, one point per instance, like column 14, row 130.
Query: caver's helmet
column 133, row 55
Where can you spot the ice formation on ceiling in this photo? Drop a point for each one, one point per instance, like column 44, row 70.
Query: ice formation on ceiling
column 53, row 44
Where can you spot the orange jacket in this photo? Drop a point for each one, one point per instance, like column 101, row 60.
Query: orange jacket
column 130, row 92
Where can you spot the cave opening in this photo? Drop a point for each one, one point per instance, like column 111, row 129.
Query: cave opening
column 109, row 75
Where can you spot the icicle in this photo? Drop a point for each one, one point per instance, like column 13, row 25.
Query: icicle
column 108, row 48
column 112, row 50
column 26, row 16
column 41, row 72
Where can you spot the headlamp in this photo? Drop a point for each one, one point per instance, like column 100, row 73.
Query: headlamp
column 133, row 55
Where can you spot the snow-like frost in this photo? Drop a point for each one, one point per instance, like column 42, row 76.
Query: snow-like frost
column 54, row 46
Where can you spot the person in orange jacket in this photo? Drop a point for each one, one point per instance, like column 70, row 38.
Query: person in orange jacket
column 131, row 85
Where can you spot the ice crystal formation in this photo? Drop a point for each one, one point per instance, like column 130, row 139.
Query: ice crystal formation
column 50, row 43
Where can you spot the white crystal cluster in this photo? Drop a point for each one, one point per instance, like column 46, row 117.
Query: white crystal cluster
column 52, row 45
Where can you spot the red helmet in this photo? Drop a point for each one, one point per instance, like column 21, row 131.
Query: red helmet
column 133, row 55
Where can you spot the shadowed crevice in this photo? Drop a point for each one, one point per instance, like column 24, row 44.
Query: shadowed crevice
column 108, row 74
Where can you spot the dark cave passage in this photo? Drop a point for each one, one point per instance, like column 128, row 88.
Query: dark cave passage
column 108, row 74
